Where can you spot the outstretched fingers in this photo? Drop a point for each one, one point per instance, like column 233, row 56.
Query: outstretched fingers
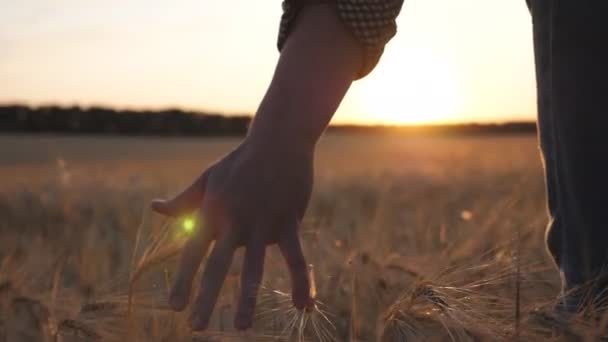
column 192, row 254
column 215, row 272
column 290, row 247
column 186, row 202
column 251, row 278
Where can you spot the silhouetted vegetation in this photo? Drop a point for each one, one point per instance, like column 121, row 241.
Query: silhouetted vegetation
column 177, row 122
column 97, row 120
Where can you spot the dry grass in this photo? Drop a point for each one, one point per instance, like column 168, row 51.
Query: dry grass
column 413, row 239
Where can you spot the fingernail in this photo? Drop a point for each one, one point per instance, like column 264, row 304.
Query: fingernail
column 197, row 322
column 303, row 303
column 158, row 202
column 242, row 322
column 177, row 302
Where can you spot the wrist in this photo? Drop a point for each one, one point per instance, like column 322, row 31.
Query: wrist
column 280, row 141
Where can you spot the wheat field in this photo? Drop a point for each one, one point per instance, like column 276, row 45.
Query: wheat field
column 408, row 238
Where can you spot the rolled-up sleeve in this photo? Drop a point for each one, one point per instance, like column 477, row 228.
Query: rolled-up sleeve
column 372, row 23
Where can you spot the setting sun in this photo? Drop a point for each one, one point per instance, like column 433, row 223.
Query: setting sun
column 412, row 87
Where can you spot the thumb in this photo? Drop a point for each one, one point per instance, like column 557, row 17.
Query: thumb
column 186, row 202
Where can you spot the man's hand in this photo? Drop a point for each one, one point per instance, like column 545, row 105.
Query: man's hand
column 257, row 195
column 253, row 197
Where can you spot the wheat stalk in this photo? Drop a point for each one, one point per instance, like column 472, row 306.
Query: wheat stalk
column 161, row 249
column 309, row 324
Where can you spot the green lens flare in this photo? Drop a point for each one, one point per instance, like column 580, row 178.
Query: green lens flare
column 188, row 225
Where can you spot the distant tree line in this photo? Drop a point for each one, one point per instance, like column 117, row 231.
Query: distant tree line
column 98, row 120
column 177, row 122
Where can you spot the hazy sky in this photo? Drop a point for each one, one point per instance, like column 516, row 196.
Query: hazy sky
column 452, row 60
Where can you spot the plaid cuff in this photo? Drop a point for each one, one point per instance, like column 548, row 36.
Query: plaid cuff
column 372, row 23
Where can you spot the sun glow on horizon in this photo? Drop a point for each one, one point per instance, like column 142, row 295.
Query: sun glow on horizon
column 450, row 62
column 412, row 87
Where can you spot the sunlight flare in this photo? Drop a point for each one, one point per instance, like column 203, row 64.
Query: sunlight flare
column 188, row 225
column 412, row 87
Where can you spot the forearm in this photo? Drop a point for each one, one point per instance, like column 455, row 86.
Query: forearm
column 317, row 66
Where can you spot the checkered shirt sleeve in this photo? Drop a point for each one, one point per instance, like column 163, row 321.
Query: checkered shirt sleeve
column 372, row 23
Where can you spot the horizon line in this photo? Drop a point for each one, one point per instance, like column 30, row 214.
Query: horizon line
column 340, row 123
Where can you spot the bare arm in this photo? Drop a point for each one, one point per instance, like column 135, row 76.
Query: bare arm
column 316, row 68
column 257, row 195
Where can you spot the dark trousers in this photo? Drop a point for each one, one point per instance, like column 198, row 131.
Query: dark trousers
column 571, row 49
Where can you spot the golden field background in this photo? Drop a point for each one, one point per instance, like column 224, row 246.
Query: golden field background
column 409, row 238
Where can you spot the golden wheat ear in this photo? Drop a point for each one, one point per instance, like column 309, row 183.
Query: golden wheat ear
column 278, row 315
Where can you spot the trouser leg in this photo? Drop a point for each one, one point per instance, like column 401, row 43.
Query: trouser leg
column 542, row 54
column 570, row 38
